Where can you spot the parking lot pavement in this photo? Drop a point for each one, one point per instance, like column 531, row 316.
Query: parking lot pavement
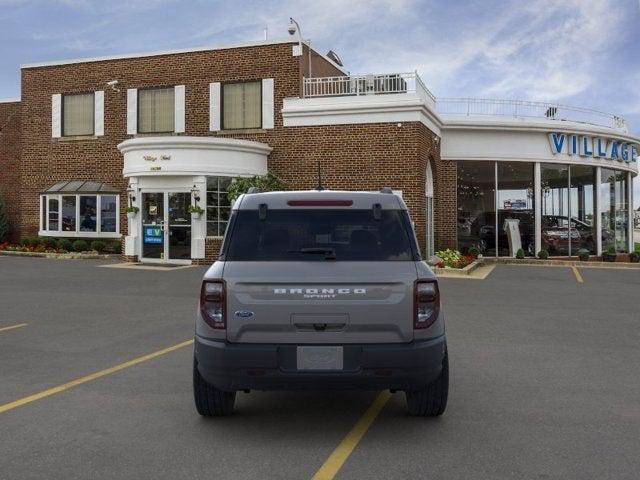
column 544, row 384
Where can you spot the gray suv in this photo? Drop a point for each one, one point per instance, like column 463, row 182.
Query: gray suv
column 320, row 290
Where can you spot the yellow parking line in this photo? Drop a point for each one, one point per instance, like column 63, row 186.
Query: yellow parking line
column 334, row 463
column 79, row 381
column 4, row 329
column 576, row 272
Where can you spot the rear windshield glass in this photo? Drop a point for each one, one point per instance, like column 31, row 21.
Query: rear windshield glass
column 302, row 235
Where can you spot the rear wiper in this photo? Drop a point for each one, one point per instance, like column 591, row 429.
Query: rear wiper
column 329, row 253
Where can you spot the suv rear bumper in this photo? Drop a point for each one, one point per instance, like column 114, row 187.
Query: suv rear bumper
column 401, row 366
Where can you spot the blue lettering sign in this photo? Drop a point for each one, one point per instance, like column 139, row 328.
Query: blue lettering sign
column 586, row 147
column 624, row 152
column 557, row 140
column 634, row 153
column 614, row 150
column 573, row 147
column 153, row 235
column 601, row 150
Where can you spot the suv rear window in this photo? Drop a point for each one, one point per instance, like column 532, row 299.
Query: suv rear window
column 301, row 235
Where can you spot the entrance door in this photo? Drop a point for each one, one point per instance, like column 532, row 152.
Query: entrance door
column 166, row 227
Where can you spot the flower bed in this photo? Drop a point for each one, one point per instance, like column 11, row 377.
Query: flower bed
column 454, row 259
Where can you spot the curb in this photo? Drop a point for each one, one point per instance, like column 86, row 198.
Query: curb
column 460, row 271
column 562, row 263
column 59, row 256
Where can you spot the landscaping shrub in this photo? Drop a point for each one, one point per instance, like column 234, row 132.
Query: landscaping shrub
column 98, row 246
column 474, row 251
column 65, row 244
column 34, row 242
column 610, row 255
column 48, row 242
column 634, row 257
column 24, row 242
column 583, row 254
column 116, row 246
column 80, row 246
column 520, row 254
column 449, row 257
column 543, row 254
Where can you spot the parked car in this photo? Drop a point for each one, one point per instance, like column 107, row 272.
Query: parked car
column 320, row 290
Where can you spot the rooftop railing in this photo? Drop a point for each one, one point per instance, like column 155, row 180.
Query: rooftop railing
column 527, row 109
column 356, row 85
column 389, row 83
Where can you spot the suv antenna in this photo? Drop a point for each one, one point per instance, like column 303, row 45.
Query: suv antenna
column 319, row 187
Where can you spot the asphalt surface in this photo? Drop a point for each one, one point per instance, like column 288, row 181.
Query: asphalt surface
column 545, row 383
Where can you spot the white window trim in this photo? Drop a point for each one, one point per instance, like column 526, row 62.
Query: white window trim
column 44, row 222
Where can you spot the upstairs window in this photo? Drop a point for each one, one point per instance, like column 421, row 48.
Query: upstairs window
column 242, row 105
column 156, row 110
column 78, row 114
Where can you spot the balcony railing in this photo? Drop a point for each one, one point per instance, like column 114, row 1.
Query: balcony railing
column 356, row 85
column 527, row 109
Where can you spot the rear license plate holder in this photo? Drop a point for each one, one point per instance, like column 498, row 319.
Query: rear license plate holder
column 320, row 358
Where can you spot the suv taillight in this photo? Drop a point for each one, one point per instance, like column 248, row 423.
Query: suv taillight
column 427, row 303
column 212, row 303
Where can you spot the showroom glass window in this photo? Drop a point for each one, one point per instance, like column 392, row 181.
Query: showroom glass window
column 80, row 215
column 78, row 114
column 515, row 203
column 614, row 209
column 218, row 205
column 582, row 208
column 242, row 105
column 476, row 206
column 555, row 208
column 156, row 110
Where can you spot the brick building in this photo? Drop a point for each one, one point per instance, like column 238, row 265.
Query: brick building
column 163, row 131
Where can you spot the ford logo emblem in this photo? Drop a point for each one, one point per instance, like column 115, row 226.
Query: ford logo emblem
column 244, row 313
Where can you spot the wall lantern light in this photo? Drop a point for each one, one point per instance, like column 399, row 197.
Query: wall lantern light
column 196, row 194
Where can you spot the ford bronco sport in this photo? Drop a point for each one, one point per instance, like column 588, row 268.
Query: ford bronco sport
column 320, row 290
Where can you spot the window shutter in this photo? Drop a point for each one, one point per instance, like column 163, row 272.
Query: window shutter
column 214, row 106
column 132, row 111
column 267, row 103
column 98, row 111
column 56, row 115
column 179, row 109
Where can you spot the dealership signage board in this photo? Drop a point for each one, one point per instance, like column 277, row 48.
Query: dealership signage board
column 595, row 147
column 152, row 234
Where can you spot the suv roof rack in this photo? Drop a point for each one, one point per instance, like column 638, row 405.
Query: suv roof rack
column 386, row 190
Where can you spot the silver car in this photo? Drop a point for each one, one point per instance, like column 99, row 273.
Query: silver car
column 320, row 290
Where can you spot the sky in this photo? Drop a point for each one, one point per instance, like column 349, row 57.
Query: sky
column 577, row 52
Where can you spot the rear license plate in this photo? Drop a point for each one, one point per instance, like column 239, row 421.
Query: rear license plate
column 320, row 358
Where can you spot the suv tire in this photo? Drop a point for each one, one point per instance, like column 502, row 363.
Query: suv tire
column 211, row 402
column 432, row 401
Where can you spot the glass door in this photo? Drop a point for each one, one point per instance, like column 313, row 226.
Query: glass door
column 166, row 226
column 153, row 223
column 179, row 226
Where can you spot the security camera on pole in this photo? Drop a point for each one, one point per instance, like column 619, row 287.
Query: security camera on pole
column 293, row 28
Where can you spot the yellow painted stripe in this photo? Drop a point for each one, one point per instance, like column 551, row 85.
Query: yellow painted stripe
column 334, row 463
column 4, row 329
column 88, row 378
column 576, row 272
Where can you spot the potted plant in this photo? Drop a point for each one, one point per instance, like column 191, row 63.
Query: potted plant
column 610, row 255
column 132, row 211
column 195, row 211
column 583, row 254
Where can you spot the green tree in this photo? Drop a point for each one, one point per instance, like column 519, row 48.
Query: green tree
column 266, row 183
column 4, row 222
